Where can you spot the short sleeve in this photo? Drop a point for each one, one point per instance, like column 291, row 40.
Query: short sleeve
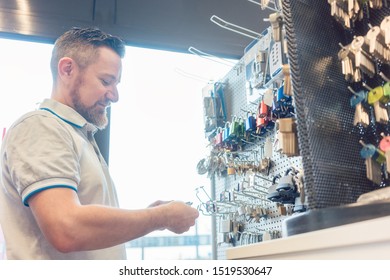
column 40, row 154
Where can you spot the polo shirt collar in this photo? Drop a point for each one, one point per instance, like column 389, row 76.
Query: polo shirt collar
column 67, row 114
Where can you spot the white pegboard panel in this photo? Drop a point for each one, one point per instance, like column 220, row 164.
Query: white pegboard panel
column 270, row 226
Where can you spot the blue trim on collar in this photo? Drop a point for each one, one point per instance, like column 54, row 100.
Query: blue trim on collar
column 46, row 188
column 71, row 123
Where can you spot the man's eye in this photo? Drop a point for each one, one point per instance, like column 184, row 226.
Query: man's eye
column 105, row 82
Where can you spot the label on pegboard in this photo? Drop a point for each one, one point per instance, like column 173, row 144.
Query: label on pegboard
column 276, row 59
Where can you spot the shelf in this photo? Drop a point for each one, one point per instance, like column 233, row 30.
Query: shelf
column 361, row 240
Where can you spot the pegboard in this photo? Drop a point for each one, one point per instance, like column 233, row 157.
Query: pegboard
column 237, row 105
column 335, row 174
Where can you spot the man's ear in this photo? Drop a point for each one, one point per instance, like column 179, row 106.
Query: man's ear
column 66, row 68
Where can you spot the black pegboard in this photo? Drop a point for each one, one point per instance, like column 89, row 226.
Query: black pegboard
column 335, row 173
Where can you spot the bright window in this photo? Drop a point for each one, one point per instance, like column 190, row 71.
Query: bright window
column 157, row 137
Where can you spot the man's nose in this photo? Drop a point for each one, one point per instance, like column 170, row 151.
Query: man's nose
column 113, row 95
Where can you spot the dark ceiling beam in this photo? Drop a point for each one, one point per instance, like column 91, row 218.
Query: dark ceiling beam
column 173, row 25
column 104, row 12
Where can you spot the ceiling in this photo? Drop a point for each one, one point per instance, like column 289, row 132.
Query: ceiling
column 172, row 25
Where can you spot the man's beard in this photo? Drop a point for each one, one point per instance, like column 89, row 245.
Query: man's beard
column 94, row 114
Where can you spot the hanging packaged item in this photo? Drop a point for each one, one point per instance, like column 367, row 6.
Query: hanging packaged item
column 287, row 136
column 250, row 123
column 256, row 60
column 213, row 108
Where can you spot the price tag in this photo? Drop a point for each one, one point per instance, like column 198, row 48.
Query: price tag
column 268, row 97
column 268, row 148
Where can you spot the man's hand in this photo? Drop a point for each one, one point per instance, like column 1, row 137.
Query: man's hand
column 179, row 216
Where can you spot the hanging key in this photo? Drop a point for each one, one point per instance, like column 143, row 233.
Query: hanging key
column 339, row 10
column 347, row 58
column 276, row 20
column 346, row 63
column 378, row 93
column 387, row 155
column 361, row 116
column 370, row 151
column 352, row 7
column 377, row 99
column 385, row 29
column 357, row 9
column 386, row 85
column 374, row 158
column 376, row 4
column 386, row 89
column 373, row 171
column 362, row 59
column 287, row 88
column 384, row 145
column 375, row 41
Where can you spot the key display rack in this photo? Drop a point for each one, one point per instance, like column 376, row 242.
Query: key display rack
column 316, row 71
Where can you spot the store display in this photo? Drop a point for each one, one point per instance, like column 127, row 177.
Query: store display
column 298, row 157
column 258, row 185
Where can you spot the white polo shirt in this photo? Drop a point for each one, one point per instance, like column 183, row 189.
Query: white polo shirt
column 52, row 147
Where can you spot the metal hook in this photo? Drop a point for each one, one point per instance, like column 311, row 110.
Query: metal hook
column 254, row 2
column 204, row 212
column 258, row 136
column 233, row 27
column 242, row 193
column 192, row 76
column 197, row 194
column 366, row 86
column 253, row 195
column 247, row 142
column 259, row 190
column 211, row 57
column 351, row 90
column 384, row 77
column 263, row 178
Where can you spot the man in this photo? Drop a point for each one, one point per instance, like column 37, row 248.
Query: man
column 57, row 199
